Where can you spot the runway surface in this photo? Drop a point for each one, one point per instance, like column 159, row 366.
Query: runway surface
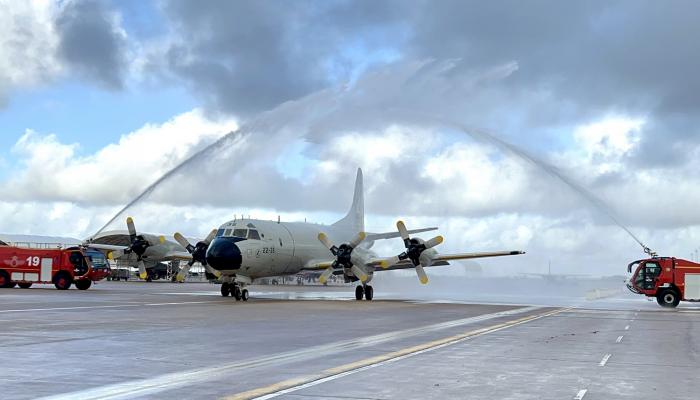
column 163, row 341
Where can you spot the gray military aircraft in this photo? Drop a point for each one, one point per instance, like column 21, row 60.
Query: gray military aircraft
column 243, row 250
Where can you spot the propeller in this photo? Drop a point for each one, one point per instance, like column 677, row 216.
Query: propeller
column 199, row 254
column 138, row 245
column 414, row 249
column 344, row 257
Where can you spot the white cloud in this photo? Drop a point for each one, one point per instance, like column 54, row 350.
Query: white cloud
column 54, row 171
column 28, row 44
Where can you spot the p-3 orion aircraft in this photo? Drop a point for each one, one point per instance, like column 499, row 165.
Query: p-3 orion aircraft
column 243, row 250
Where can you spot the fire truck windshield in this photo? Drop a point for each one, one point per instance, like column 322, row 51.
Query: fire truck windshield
column 645, row 275
column 97, row 259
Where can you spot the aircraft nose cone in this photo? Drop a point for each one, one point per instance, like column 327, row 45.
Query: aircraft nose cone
column 224, row 255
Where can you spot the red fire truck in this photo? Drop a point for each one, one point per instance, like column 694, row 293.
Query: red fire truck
column 669, row 279
column 20, row 266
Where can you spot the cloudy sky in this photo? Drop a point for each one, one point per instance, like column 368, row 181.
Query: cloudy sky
column 98, row 99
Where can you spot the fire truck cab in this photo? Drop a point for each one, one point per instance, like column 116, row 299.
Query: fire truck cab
column 670, row 280
column 20, row 266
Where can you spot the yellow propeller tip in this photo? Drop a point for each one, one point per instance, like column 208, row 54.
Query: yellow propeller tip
column 129, row 220
column 143, row 276
column 384, row 264
column 322, row 280
column 440, row 239
column 424, row 280
column 109, row 255
column 362, row 235
column 162, row 239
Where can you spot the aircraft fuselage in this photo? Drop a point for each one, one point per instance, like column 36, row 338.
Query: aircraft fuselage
column 269, row 248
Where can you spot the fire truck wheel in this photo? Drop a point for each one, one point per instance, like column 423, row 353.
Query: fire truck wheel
column 83, row 284
column 25, row 285
column 62, row 281
column 5, row 280
column 668, row 298
column 244, row 294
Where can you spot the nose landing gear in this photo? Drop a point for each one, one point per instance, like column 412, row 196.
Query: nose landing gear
column 235, row 290
column 365, row 291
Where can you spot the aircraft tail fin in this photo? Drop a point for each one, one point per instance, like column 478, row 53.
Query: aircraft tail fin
column 355, row 218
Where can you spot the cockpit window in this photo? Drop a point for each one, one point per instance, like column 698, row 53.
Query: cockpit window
column 250, row 225
column 227, row 232
column 253, row 234
column 241, row 233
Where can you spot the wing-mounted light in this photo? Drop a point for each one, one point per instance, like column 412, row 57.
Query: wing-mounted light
column 345, row 258
column 415, row 251
column 198, row 252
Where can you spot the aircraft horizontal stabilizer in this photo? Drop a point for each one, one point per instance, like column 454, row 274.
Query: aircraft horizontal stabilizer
column 390, row 235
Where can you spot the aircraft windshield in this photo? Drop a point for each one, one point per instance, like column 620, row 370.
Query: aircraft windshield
column 241, row 233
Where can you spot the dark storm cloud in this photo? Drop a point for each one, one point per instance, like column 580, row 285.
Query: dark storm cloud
column 90, row 43
column 249, row 56
column 635, row 58
column 577, row 61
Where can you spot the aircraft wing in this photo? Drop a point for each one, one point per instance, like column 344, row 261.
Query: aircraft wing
column 177, row 255
column 403, row 264
column 316, row 265
column 390, row 235
column 106, row 247
column 438, row 260
column 161, row 249
column 466, row 256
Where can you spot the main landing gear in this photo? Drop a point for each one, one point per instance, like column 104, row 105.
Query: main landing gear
column 235, row 290
column 365, row 291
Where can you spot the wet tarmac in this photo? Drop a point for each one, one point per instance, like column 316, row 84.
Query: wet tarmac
column 160, row 340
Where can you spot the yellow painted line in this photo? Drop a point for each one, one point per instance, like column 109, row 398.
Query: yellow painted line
column 294, row 384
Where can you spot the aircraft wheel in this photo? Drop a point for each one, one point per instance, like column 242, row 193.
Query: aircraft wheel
column 668, row 298
column 225, row 290
column 83, row 284
column 5, row 280
column 236, row 293
column 369, row 292
column 359, row 292
column 244, row 295
column 62, row 281
column 25, row 285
